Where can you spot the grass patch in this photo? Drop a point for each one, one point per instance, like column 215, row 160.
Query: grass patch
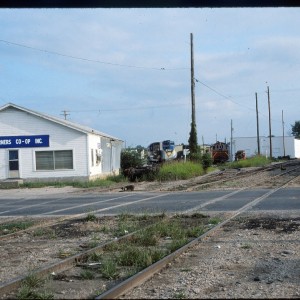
column 90, row 217
column 64, row 253
column 246, row 246
column 87, row 275
column 214, row 221
column 45, row 232
column 195, row 232
column 176, row 244
column 127, row 223
column 109, row 269
column 179, row 171
column 179, row 295
column 95, row 257
column 151, row 244
column 145, row 238
column 29, row 288
column 26, row 292
column 104, row 183
column 256, row 161
column 93, row 244
column 15, row 226
column 135, row 256
column 33, row 281
column 105, row 229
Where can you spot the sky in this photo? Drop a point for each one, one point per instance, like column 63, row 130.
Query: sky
column 127, row 71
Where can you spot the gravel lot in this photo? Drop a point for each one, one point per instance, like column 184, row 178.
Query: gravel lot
column 237, row 262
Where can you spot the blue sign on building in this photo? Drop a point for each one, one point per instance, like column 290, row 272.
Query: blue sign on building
column 24, row 141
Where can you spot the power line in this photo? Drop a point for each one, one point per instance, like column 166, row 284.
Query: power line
column 229, row 98
column 91, row 60
column 222, row 95
column 129, row 108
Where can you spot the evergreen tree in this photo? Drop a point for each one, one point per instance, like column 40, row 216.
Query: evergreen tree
column 193, row 144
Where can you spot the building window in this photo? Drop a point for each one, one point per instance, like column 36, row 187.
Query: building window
column 92, row 156
column 54, row 160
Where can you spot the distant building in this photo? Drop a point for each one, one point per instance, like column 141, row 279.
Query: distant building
column 39, row 147
column 287, row 146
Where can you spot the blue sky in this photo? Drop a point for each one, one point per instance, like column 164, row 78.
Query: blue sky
column 126, row 72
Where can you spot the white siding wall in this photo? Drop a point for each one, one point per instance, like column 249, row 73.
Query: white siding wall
column 297, row 148
column 246, row 144
column 16, row 122
column 249, row 144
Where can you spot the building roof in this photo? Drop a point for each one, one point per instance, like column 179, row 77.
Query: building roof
column 60, row 121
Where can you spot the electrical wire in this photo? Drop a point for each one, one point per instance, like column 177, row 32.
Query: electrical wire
column 230, row 99
column 91, row 60
column 129, row 108
column 222, row 95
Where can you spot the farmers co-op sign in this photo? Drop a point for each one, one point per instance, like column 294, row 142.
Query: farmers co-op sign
column 24, row 141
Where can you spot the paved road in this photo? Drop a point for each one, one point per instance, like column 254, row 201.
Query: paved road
column 18, row 203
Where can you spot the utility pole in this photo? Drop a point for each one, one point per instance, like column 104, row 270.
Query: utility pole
column 193, row 144
column 270, row 131
column 283, row 134
column 65, row 114
column 231, row 156
column 192, row 82
column 257, row 127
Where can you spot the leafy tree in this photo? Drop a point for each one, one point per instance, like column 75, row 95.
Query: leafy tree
column 296, row 129
column 140, row 148
column 130, row 158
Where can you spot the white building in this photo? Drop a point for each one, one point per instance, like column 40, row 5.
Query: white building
column 38, row 147
column 287, row 146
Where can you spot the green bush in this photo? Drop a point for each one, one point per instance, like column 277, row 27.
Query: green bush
column 130, row 159
column 207, row 161
column 195, row 157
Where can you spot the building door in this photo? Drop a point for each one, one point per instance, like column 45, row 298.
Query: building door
column 13, row 164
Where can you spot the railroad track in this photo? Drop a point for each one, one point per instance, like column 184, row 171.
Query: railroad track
column 141, row 277
column 230, row 175
column 117, row 290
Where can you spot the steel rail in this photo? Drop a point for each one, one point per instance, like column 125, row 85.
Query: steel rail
column 246, row 173
column 63, row 265
column 147, row 273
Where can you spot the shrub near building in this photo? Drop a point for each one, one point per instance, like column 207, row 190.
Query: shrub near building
column 130, row 158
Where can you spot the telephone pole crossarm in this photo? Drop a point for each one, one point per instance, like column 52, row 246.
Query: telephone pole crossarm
column 65, row 114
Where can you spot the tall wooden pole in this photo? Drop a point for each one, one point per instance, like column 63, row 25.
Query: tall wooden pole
column 270, row 131
column 257, row 127
column 192, row 82
column 231, row 155
column 283, row 135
